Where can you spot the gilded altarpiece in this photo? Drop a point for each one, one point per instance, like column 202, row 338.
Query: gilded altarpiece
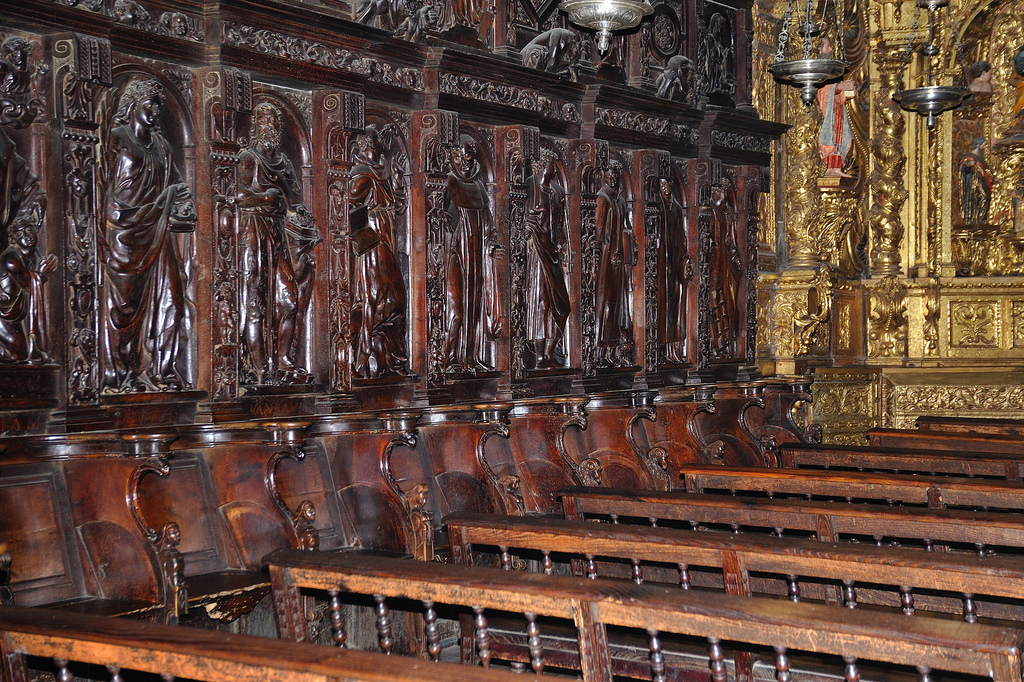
column 919, row 231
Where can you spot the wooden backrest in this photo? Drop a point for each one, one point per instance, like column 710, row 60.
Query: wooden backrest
column 594, row 605
column 933, row 491
column 788, row 560
column 204, row 655
column 949, row 442
column 895, row 460
column 826, row 520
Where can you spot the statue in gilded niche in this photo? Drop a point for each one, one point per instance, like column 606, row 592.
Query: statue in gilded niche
column 145, row 327
column 672, row 82
column 547, row 298
column 23, row 325
column 726, row 273
column 678, row 271
column 614, row 275
column 376, row 196
column 554, row 50
column 278, row 236
column 836, row 136
column 975, row 185
column 472, row 297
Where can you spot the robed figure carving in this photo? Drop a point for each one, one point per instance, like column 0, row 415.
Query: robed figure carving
column 678, row 271
column 726, row 273
column 547, row 298
column 278, row 236
column 376, row 197
column 146, row 328
column 614, row 276
column 975, row 185
column 23, row 325
column 472, row 298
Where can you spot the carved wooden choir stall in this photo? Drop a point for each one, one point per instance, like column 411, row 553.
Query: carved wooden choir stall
column 285, row 284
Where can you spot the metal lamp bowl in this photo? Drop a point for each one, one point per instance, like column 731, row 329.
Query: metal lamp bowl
column 808, row 73
column 930, row 100
column 606, row 15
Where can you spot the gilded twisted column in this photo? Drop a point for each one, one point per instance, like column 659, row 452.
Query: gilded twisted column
column 887, row 191
column 803, row 164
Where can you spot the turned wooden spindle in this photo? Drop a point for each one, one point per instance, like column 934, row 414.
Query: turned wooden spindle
column 615, row 519
column 653, row 521
column 591, row 566
column 925, row 672
column 928, row 545
column 782, row 673
column 430, row 630
column 536, row 651
column 115, row 672
column 63, row 674
column 167, row 677
column 851, row 673
column 338, row 633
column 546, row 563
column 717, row 660
column 684, row 576
column 849, row 594
column 794, row 588
column 907, row 600
column 506, row 558
column 483, row 638
column 638, row 576
column 383, row 624
column 970, row 608
column 657, row 658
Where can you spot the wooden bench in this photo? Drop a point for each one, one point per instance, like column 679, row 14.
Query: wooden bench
column 594, row 606
column 780, row 564
column 991, row 425
column 949, row 442
column 827, row 521
column 896, row 460
column 931, row 491
column 194, row 654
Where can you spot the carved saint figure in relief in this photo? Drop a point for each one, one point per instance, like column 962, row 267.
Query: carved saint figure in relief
column 376, row 196
column 18, row 107
column 726, row 274
column 975, row 185
column 146, row 327
column 718, row 44
column 547, row 298
column 472, row 298
column 614, row 276
column 678, row 271
column 23, row 324
column 173, row 567
column 672, row 82
column 278, row 236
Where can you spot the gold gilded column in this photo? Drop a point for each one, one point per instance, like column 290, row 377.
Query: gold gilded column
column 888, row 193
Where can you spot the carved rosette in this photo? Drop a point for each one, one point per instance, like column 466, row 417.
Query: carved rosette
column 227, row 96
column 83, row 74
column 888, row 192
column 887, row 319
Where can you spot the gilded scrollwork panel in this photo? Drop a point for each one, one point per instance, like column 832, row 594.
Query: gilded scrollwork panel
column 974, row 324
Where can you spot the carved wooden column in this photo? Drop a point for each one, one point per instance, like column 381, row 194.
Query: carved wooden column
column 517, row 148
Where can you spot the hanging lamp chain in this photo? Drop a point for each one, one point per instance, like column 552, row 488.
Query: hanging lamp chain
column 910, row 47
column 780, row 55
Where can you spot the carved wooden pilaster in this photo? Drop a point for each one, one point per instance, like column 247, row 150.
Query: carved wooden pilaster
column 702, row 174
column 518, row 148
column 591, row 160
column 82, row 74
column 339, row 116
column 649, row 166
column 226, row 98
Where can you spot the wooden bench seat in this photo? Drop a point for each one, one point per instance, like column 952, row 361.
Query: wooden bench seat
column 896, row 460
column 595, row 606
column 203, row 655
column 781, row 565
column 992, row 425
column 931, row 491
column 949, row 442
column 827, row 521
